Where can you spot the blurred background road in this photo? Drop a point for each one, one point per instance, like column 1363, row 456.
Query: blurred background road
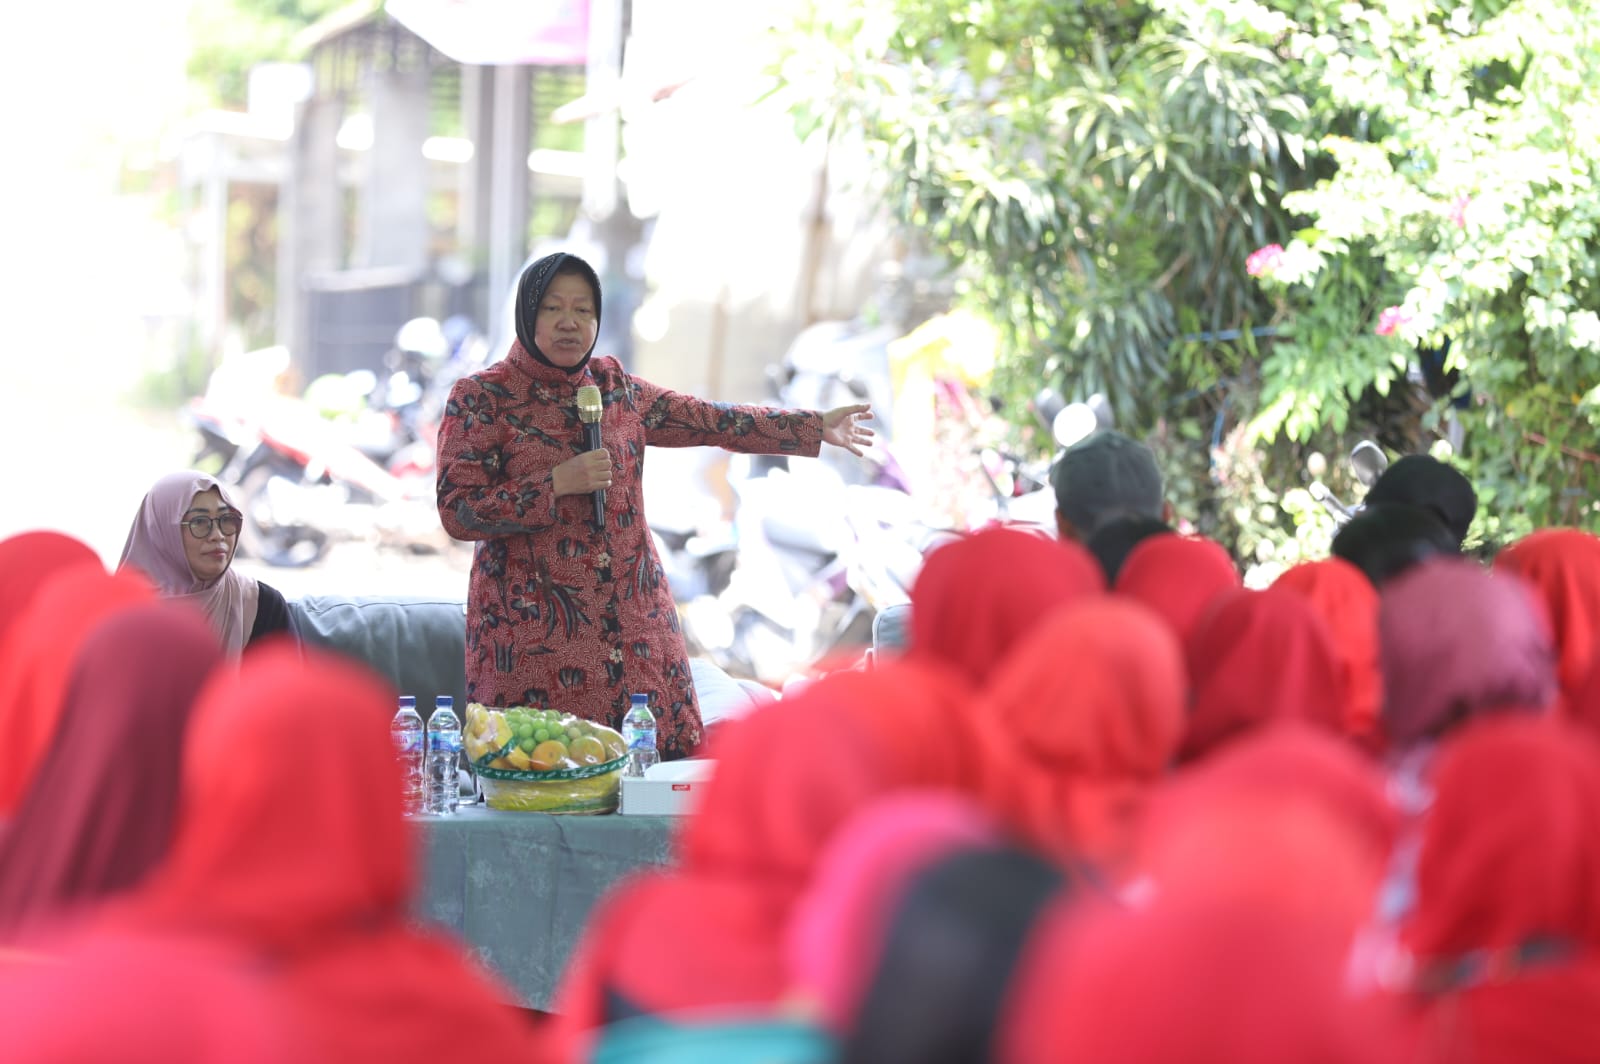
column 82, row 466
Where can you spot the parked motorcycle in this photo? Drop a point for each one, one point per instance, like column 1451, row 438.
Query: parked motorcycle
column 891, row 554
column 306, row 479
column 1367, row 461
column 787, row 602
column 819, row 549
column 771, row 594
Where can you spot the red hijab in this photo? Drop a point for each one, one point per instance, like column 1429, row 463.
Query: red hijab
column 1288, row 817
column 1178, row 577
column 100, row 812
column 1203, row 981
column 291, row 847
column 1347, row 602
column 1088, row 712
column 1584, row 707
column 38, row 661
column 1563, row 567
column 27, row 561
column 1260, row 656
column 935, row 737
column 1507, row 926
column 145, row 1000
column 710, row 933
column 976, row 597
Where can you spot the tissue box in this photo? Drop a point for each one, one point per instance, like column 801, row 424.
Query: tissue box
column 667, row 789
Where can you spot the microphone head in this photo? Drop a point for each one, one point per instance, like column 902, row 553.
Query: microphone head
column 589, row 403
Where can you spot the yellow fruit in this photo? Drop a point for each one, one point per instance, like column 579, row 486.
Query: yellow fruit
column 476, row 747
column 519, row 760
column 501, row 762
column 588, row 750
column 502, row 731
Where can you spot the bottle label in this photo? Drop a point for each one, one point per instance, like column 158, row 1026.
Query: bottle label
column 408, row 744
column 443, row 741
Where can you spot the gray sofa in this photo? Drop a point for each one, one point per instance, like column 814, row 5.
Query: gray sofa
column 419, row 644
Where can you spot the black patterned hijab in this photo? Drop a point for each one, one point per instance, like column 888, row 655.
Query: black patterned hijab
column 531, row 288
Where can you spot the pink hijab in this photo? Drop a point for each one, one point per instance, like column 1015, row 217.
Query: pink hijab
column 155, row 548
column 1459, row 642
column 836, row 934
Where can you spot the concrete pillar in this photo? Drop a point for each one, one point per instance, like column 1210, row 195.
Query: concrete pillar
column 393, row 228
column 213, row 282
column 477, row 123
column 602, row 134
column 508, row 185
column 472, row 213
column 310, row 217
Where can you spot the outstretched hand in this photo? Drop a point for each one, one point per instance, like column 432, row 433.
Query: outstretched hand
column 842, row 427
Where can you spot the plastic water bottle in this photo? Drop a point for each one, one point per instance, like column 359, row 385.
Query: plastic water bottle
column 639, row 733
column 444, row 751
column 406, row 731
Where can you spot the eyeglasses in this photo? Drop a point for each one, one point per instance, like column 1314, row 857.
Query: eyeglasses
column 199, row 526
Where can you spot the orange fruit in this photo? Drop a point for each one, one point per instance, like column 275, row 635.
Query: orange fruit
column 587, row 750
column 551, row 752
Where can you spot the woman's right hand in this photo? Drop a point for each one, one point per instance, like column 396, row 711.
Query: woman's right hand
column 590, row 471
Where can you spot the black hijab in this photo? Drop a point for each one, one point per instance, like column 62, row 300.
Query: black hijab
column 535, row 281
column 953, row 943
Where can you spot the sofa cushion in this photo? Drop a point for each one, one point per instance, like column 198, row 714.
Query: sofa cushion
column 419, row 644
column 723, row 698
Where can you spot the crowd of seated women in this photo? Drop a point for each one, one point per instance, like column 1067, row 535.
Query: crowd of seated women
column 1108, row 805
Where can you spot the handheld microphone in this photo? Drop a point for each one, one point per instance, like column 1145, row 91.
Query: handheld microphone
column 589, row 408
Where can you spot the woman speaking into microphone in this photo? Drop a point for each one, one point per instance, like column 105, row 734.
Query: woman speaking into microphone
column 564, row 612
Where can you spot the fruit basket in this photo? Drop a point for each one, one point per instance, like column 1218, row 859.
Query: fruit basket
column 543, row 761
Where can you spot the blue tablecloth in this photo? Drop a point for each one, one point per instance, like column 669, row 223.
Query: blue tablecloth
column 518, row 887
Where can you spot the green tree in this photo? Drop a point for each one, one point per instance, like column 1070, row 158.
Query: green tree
column 231, row 36
column 1467, row 213
column 1105, row 177
column 1097, row 175
column 1099, row 171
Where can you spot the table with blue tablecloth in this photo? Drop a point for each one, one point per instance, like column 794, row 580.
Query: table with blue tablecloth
column 518, row 887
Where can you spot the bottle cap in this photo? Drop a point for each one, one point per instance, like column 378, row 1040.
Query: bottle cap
column 637, row 699
column 408, row 701
column 444, row 702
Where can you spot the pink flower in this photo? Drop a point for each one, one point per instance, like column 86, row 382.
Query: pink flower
column 1263, row 261
column 1458, row 210
column 1390, row 319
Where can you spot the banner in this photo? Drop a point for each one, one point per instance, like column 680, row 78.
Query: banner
column 500, row 32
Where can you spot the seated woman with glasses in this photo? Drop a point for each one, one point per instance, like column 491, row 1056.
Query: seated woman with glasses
column 183, row 539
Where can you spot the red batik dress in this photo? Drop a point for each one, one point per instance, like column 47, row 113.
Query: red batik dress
column 559, row 615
